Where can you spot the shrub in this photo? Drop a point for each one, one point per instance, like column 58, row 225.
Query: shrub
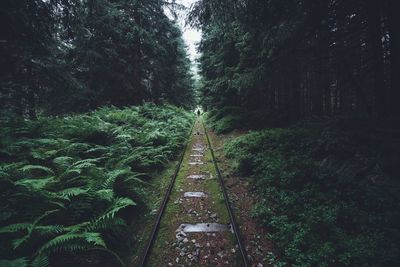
column 323, row 194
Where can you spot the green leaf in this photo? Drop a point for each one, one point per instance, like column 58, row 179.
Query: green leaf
column 20, row 262
column 31, row 168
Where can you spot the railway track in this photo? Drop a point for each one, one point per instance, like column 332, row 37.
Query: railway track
column 191, row 166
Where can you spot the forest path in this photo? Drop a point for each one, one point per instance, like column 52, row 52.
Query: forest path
column 195, row 228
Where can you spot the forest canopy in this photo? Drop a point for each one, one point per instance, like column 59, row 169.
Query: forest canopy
column 284, row 60
column 72, row 56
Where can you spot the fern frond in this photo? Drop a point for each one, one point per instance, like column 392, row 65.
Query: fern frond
column 12, row 228
column 85, row 162
column 107, row 194
column 30, row 229
column 31, row 168
column 20, row 262
column 119, row 204
column 40, row 261
column 72, row 192
column 36, row 184
column 44, row 215
column 77, row 147
column 71, row 242
column 103, row 224
column 19, row 241
column 63, row 161
column 96, row 149
column 113, row 175
column 49, row 229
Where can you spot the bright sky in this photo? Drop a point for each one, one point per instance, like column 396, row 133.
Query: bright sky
column 190, row 36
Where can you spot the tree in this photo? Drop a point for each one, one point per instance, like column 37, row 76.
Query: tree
column 71, row 56
column 287, row 60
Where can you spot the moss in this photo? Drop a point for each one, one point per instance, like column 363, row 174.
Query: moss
column 166, row 231
column 175, row 214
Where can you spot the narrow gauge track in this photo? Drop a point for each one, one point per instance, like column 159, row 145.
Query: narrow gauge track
column 150, row 242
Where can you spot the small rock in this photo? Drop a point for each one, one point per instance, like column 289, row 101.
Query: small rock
column 193, row 241
column 185, row 240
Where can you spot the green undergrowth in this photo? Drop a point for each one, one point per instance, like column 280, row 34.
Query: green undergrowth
column 74, row 189
column 329, row 193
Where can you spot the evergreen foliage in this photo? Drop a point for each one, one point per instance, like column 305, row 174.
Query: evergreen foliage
column 68, row 56
column 281, row 61
column 75, row 185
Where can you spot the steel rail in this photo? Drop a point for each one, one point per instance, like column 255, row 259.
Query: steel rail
column 150, row 241
column 227, row 203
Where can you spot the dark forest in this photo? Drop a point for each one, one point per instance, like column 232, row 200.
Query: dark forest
column 276, row 144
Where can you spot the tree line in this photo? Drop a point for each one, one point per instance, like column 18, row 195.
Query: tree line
column 293, row 59
column 61, row 56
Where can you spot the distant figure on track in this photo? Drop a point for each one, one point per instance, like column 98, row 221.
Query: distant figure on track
column 198, row 113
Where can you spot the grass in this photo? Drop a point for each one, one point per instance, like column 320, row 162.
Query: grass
column 75, row 190
column 166, row 231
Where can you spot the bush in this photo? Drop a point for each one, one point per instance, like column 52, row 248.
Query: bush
column 72, row 185
column 324, row 195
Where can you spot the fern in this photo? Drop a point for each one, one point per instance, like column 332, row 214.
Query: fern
column 35, row 184
column 20, row 262
column 106, row 194
column 102, row 224
column 31, row 168
column 63, row 161
column 48, row 230
column 113, row 175
column 85, row 162
column 72, row 192
column 118, row 204
column 40, row 261
column 71, row 242
column 12, row 228
column 29, row 228
column 65, row 186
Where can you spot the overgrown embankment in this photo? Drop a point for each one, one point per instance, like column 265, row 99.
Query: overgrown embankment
column 72, row 188
column 329, row 192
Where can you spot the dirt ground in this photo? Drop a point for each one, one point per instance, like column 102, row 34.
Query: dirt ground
column 243, row 199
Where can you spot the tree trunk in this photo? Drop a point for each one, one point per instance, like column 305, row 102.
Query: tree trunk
column 394, row 32
column 376, row 53
column 31, row 101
